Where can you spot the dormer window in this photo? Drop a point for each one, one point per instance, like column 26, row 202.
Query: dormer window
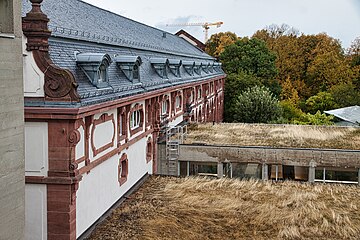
column 130, row 66
column 205, row 67
column 174, row 66
column 217, row 66
column 189, row 67
column 197, row 68
column 160, row 65
column 95, row 66
column 211, row 67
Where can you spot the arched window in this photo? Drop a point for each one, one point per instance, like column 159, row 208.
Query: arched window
column 136, row 119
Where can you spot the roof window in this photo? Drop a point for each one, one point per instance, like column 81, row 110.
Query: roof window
column 217, row 66
column 197, row 68
column 130, row 66
column 189, row 67
column 211, row 67
column 95, row 66
column 205, row 67
column 174, row 65
column 160, row 65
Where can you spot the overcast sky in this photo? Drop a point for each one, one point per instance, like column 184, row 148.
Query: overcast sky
column 338, row 18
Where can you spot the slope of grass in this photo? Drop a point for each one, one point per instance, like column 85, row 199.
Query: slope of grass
column 275, row 135
column 199, row 208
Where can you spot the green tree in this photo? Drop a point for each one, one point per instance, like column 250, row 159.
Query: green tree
column 257, row 105
column 250, row 56
column 345, row 95
column 321, row 102
column 289, row 111
column 235, row 84
column 217, row 43
column 314, row 119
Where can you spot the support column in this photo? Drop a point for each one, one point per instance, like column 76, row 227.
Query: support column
column 312, row 172
column 220, row 170
column 63, row 178
column 265, row 172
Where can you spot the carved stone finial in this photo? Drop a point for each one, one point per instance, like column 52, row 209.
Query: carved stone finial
column 60, row 84
column 35, row 28
column 36, row 5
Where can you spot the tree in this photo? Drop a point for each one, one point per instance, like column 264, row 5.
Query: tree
column 250, row 56
column 217, row 43
column 354, row 57
column 235, row 84
column 257, row 105
column 288, row 92
column 345, row 95
column 314, row 119
column 321, row 102
column 289, row 111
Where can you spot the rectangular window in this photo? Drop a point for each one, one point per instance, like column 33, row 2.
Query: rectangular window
column 6, row 16
column 178, row 102
column 164, row 107
column 122, row 125
column 135, row 119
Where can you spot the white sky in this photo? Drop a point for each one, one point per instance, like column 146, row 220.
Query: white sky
column 338, row 18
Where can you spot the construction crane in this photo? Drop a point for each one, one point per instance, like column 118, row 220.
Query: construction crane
column 205, row 26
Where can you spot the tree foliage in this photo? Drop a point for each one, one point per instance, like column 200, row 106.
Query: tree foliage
column 235, row 84
column 308, row 73
column 217, row 43
column 257, row 105
column 251, row 56
column 321, row 102
column 314, row 119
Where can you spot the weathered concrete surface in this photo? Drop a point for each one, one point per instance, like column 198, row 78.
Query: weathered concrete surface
column 267, row 155
column 12, row 183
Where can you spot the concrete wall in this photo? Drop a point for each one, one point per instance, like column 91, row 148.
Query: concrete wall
column 12, row 186
column 268, row 155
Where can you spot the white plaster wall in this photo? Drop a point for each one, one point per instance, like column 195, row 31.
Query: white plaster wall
column 100, row 189
column 187, row 39
column 35, row 212
column 33, row 76
column 36, row 148
column 176, row 121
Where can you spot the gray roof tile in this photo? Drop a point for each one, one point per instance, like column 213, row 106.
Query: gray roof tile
column 80, row 27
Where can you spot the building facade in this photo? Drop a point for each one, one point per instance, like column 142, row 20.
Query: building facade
column 98, row 90
column 191, row 39
column 12, row 183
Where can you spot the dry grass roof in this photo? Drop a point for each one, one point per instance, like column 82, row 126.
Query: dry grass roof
column 275, row 135
column 199, row 208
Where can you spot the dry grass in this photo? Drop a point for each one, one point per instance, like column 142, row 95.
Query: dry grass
column 199, row 208
column 275, row 135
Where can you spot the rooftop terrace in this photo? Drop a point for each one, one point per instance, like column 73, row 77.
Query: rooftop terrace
column 297, row 136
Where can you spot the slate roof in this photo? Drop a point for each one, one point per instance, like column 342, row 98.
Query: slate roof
column 79, row 26
column 349, row 114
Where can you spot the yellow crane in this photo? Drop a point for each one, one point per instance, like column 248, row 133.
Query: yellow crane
column 205, row 26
